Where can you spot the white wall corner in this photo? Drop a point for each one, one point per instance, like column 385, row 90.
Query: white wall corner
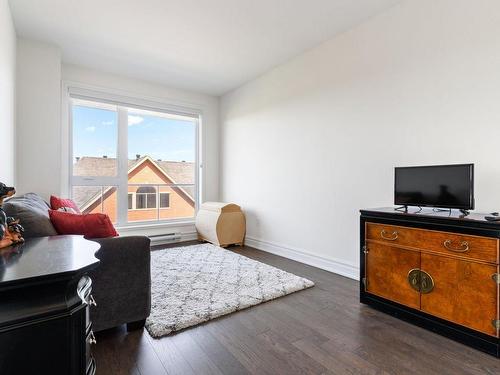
column 7, row 94
column 332, row 265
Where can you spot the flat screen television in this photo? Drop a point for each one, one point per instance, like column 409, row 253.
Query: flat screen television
column 444, row 186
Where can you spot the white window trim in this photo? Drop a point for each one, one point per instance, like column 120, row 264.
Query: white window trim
column 123, row 98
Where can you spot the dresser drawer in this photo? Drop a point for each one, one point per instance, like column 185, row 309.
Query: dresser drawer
column 473, row 247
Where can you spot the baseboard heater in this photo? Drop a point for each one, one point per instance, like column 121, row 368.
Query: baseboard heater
column 164, row 238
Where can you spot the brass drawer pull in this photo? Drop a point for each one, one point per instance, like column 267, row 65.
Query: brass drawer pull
column 389, row 237
column 463, row 247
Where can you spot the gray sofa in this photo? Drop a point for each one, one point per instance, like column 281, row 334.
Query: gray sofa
column 121, row 285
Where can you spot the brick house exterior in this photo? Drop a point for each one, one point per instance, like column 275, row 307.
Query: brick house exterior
column 150, row 194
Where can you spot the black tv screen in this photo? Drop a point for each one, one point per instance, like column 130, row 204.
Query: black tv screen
column 446, row 186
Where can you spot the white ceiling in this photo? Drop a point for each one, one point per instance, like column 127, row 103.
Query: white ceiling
column 209, row 46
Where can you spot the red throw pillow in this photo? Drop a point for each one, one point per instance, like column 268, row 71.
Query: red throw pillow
column 57, row 203
column 90, row 225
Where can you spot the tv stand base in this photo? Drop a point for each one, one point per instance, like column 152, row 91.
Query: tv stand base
column 402, row 208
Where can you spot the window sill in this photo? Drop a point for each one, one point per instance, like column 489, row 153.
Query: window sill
column 143, row 225
column 148, row 209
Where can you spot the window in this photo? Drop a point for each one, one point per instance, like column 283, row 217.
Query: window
column 145, row 197
column 130, row 162
column 164, row 200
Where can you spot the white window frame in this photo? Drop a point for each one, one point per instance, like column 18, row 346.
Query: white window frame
column 120, row 99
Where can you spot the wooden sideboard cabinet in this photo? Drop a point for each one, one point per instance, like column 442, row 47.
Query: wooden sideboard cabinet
column 439, row 270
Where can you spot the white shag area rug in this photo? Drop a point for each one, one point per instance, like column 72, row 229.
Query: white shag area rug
column 194, row 284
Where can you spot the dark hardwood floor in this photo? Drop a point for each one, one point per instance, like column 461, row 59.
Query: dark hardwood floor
column 322, row 330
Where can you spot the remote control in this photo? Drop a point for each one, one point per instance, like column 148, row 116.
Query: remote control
column 492, row 218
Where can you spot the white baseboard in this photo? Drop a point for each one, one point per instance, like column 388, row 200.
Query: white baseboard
column 332, row 265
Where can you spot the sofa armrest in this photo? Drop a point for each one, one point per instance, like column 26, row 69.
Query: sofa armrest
column 122, row 281
column 126, row 250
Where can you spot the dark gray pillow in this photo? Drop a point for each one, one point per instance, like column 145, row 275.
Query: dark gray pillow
column 33, row 214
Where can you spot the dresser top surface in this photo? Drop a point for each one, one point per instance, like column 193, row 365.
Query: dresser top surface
column 414, row 213
column 46, row 257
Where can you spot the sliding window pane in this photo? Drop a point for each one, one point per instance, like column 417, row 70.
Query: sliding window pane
column 95, row 138
column 161, row 148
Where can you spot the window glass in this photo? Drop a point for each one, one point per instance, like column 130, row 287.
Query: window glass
column 160, row 158
column 96, row 199
column 95, row 139
column 165, row 142
column 164, row 200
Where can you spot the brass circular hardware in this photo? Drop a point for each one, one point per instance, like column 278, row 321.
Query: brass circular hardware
column 426, row 282
column 462, row 248
column 414, row 279
column 420, row 281
column 389, row 237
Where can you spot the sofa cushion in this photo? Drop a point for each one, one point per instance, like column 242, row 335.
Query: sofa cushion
column 33, row 214
column 56, row 203
column 89, row 225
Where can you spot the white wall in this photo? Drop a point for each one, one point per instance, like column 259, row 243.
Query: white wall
column 38, row 125
column 308, row 144
column 7, row 94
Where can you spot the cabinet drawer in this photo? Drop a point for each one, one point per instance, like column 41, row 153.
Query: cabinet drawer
column 473, row 247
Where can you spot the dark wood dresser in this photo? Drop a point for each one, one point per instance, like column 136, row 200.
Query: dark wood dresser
column 439, row 270
column 45, row 298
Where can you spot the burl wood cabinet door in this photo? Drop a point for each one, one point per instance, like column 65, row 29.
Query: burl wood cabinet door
column 464, row 292
column 387, row 269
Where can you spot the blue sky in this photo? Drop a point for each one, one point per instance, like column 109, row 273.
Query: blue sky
column 95, row 134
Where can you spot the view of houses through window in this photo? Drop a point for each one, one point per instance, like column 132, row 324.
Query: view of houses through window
column 158, row 160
